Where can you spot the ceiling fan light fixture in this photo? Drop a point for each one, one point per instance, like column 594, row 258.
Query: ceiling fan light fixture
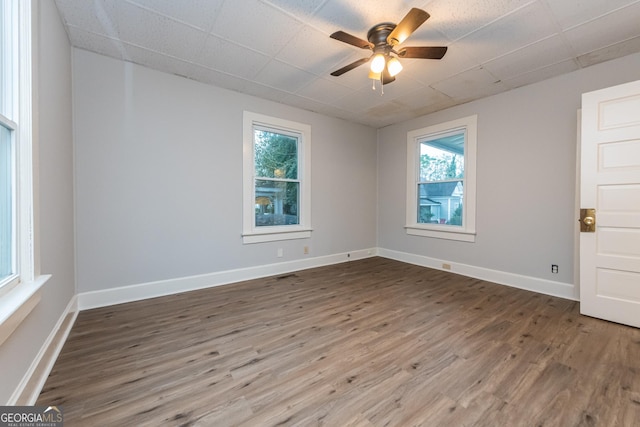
column 381, row 41
column 394, row 66
column 378, row 63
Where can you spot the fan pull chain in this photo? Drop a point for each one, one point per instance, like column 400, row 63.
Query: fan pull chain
column 381, row 85
column 373, row 84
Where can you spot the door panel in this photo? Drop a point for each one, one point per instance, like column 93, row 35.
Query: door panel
column 614, row 242
column 619, row 155
column 618, row 284
column 610, row 183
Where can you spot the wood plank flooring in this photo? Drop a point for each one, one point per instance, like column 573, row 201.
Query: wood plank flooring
column 374, row 342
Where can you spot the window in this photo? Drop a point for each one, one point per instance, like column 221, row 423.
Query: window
column 19, row 286
column 441, row 180
column 9, row 109
column 276, row 179
column 8, row 274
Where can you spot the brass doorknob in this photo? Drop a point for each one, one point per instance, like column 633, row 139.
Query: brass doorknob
column 588, row 220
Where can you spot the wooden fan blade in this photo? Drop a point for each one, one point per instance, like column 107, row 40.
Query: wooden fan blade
column 350, row 67
column 407, row 26
column 423, row 52
column 352, row 40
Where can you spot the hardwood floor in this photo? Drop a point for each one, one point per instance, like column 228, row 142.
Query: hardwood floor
column 373, row 342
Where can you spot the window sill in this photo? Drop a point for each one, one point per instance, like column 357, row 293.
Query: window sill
column 17, row 304
column 443, row 232
column 275, row 235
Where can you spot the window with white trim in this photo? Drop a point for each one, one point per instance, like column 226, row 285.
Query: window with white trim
column 18, row 282
column 20, row 288
column 441, row 180
column 277, row 179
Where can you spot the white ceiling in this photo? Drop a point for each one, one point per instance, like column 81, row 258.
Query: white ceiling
column 281, row 50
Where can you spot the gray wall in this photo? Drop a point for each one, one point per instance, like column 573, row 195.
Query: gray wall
column 526, row 168
column 54, row 195
column 159, row 178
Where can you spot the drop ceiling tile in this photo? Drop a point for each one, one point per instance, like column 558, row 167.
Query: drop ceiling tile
column 403, row 85
column 457, row 18
column 323, row 90
column 97, row 17
column 299, row 8
column 522, row 27
column 569, row 13
column 391, row 108
column 219, row 79
column 617, row 50
column 305, row 103
column 231, row 58
column 357, row 17
column 542, row 74
column 98, row 43
column 471, row 84
column 284, row 77
column 198, row 13
column 357, row 101
column 158, row 61
column 356, row 118
column 618, row 26
column 264, row 92
column 423, row 96
column 314, row 52
column 141, row 27
column 538, row 55
column 442, row 104
column 255, row 25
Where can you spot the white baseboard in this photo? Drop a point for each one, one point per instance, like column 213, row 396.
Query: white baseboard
column 34, row 379
column 123, row 294
column 547, row 287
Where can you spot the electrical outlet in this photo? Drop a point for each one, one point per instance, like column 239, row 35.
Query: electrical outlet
column 306, row 250
column 280, row 253
column 446, row 266
column 554, row 268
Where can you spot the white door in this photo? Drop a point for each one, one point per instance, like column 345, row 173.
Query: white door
column 610, row 183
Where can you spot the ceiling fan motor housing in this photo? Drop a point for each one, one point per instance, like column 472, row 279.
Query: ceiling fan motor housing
column 378, row 35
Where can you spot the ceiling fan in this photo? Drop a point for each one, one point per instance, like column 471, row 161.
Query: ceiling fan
column 382, row 40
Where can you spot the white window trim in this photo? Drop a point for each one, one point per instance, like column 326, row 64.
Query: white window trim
column 19, row 298
column 466, row 233
column 251, row 233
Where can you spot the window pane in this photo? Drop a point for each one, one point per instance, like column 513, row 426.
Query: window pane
column 7, row 9
column 276, row 155
column 277, row 202
column 440, row 203
column 6, row 204
column 442, row 158
column 4, row 63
